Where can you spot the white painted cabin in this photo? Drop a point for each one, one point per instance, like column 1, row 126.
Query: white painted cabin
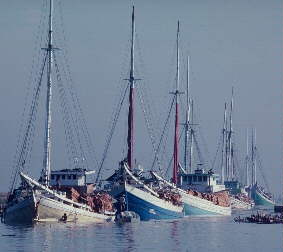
column 200, row 181
column 69, row 177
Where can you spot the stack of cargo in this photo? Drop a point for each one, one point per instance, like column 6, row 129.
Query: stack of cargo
column 218, row 198
column 102, row 202
column 223, row 198
column 243, row 197
column 168, row 195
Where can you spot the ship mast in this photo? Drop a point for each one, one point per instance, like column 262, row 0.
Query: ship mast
column 255, row 164
column 47, row 140
column 187, row 123
column 253, row 157
column 130, row 138
column 230, row 169
column 176, row 136
column 192, row 135
column 224, row 144
column 247, row 159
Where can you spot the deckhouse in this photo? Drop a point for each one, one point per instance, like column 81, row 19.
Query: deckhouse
column 200, row 181
column 70, row 177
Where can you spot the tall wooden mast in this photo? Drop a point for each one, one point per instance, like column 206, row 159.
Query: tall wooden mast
column 176, row 136
column 47, row 140
column 223, row 162
column 130, row 138
column 253, row 157
column 187, row 122
column 247, row 158
column 230, row 140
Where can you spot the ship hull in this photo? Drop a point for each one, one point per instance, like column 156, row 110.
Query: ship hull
column 239, row 204
column 22, row 212
column 146, row 205
column 48, row 209
column 46, row 205
column 260, row 199
column 41, row 209
column 197, row 206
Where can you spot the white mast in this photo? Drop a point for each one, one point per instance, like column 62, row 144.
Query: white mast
column 187, row 123
column 230, row 170
column 191, row 136
column 247, row 160
column 224, row 145
column 176, row 135
column 255, row 163
column 253, row 158
column 47, row 141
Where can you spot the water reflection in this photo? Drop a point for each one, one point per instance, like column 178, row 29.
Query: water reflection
column 174, row 234
column 188, row 234
column 126, row 236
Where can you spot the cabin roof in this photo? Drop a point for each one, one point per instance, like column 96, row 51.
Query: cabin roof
column 73, row 171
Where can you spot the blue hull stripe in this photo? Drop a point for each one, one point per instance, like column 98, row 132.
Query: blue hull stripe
column 147, row 210
column 260, row 199
column 190, row 210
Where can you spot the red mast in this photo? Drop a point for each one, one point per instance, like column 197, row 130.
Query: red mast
column 176, row 136
column 130, row 138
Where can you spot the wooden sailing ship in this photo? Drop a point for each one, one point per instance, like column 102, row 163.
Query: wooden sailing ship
column 44, row 200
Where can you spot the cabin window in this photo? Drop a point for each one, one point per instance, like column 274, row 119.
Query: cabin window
column 69, row 177
column 189, row 179
column 57, row 177
column 74, row 176
column 204, row 179
column 63, row 176
column 185, row 178
column 199, row 179
column 52, row 176
column 195, row 178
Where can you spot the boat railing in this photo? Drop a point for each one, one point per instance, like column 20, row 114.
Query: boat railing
column 54, row 194
column 139, row 182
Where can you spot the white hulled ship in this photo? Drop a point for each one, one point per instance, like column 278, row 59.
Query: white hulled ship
column 63, row 194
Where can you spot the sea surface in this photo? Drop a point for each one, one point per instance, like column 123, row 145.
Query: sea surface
column 189, row 234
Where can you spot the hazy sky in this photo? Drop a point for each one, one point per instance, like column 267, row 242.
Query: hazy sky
column 231, row 43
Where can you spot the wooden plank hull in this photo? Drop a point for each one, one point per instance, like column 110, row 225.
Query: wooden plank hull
column 146, row 205
column 197, row 206
column 48, row 208
column 21, row 212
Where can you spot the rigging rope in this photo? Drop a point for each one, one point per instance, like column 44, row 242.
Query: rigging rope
column 36, row 59
column 163, row 131
column 261, row 169
column 79, row 115
column 110, row 135
column 171, row 159
column 149, row 127
column 217, row 151
column 67, row 117
column 26, row 141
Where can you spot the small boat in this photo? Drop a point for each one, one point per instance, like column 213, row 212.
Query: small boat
column 47, row 199
column 261, row 218
column 127, row 216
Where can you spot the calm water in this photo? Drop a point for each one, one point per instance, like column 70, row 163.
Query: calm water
column 189, row 234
